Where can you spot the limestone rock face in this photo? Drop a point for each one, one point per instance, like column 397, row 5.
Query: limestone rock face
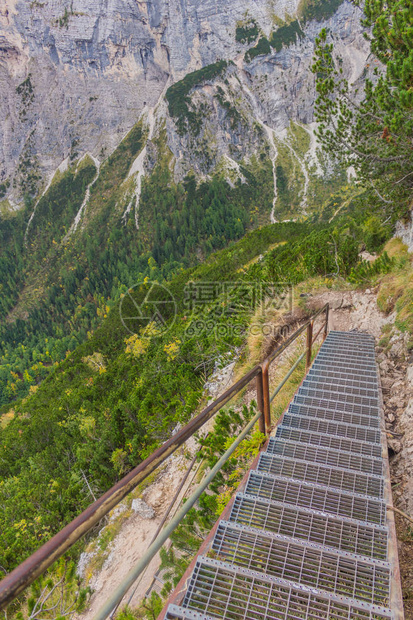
column 404, row 230
column 75, row 75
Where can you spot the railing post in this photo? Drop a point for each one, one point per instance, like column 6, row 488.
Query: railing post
column 266, row 396
column 260, row 403
column 309, row 345
column 326, row 325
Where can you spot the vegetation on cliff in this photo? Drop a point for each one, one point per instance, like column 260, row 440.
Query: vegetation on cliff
column 179, row 101
column 373, row 135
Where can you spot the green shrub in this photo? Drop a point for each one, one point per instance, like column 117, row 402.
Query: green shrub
column 286, row 35
column 179, row 101
column 365, row 270
column 262, row 48
column 375, row 233
column 318, row 10
column 247, row 33
column 3, row 188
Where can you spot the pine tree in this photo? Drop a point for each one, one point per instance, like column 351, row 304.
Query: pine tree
column 375, row 134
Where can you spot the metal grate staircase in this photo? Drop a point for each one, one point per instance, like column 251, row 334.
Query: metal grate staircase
column 310, row 536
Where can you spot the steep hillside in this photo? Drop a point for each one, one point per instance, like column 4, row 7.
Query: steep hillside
column 127, row 151
column 120, row 393
column 162, row 190
column 228, row 147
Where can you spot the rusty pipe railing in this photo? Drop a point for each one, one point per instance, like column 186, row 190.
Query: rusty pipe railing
column 27, row 572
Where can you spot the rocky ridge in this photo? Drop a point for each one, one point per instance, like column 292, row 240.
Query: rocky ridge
column 75, row 77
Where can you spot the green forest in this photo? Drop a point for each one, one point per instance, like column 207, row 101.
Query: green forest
column 55, row 290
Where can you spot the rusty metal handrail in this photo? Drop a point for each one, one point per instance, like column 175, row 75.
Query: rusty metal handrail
column 263, row 391
column 27, row 572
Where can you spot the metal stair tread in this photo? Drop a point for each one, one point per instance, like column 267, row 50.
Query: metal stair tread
column 321, row 455
column 350, row 369
column 361, row 433
column 313, row 495
column 367, row 401
column 234, row 588
column 329, row 403
column 342, row 361
column 233, row 525
column 339, row 386
column 334, row 477
column 367, row 540
column 303, row 563
column 338, row 442
column 331, row 423
column 335, row 415
column 326, row 376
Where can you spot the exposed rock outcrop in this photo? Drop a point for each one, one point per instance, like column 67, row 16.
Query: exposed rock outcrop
column 75, row 76
column 404, row 231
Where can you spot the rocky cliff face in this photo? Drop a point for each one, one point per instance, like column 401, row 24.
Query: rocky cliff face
column 76, row 75
column 404, row 230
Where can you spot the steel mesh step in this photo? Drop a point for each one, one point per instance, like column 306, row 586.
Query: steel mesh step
column 330, row 403
column 343, row 382
column 335, row 416
column 328, row 441
column 225, row 592
column 353, row 342
column 339, row 365
column 341, row 378
column 316, row 497
column 355, row 334
column 333, row 477
column 315, row 383
column 325, row 456
column 361, row 358
column 351, row 337
column 343, row 362
column 350, row 369
column 309, row 525
column 334, row 353
column 356, row 349
column 323, row 367
column 303, row 563
column 361, row 433
column 364, row 350
column 338, row 396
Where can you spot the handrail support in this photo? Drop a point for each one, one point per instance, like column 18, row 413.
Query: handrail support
column 309, row 345
column 266, row 396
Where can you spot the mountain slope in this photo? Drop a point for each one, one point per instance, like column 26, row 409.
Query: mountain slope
column 119, row 394
column 75, row 77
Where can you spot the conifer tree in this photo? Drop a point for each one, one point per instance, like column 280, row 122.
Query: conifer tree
column 375, row 134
